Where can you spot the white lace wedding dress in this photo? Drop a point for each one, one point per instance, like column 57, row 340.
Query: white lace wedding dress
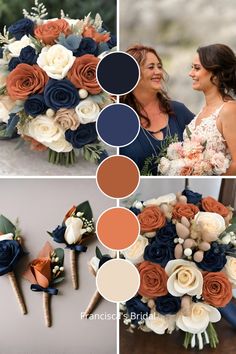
column 208, row 130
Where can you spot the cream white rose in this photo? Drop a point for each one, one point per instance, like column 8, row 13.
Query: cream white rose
column 164, row 166
column 87, row 111
column 47, row 132
column 230, row 269
column 94, row 263
column 56, row 61
column 165, row 199
column 159, row 323
column 8, row 236
column 184, row 278
column 211, row 223
column 6, row 105
column 74, row 230
column 135, row 253
column 15, row 47
column 200, row 316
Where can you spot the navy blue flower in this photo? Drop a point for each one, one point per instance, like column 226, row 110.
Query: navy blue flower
column 87, row 46
column 58, row 234
column 137, row 310
column 192, row 197
column 134, row 210
column 28, row 55
column 112, row 41
column 60, row 94
column 167, row 234
column 168, row 304
column 22, row 27
column 85, row 134
column 158, row 252
column 215, row 259
column 13, row 63
column 35, row 105
column 10, row 253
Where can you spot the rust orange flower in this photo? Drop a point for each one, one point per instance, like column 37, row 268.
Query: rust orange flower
column 83, row 73
column 90, row 31
column 188, row 210
column 186, row 171
column 217, row 290
column 25, row 80
column 50, row 30
column 34, row 144
column 153, row 280
column 213, row 206
column 151, row 219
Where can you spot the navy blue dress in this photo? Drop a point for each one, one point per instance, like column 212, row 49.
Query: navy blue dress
column 146, row 145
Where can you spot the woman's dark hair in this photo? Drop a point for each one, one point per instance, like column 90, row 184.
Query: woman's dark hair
column 139, row 52
column 221, row 61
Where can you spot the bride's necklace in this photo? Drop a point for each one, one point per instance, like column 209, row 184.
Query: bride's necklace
column 148, row 136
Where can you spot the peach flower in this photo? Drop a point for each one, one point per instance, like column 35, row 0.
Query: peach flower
column 153, row 280
column 212, row 205
column 26, row 80
column 217, row 290
column 50, row 31
column 83, row 73
column 151, row 219
column 187, row 210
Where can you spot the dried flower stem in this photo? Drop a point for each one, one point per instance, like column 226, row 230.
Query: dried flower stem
column 93, row 302
column 17, row 292
column 46, row 309
column 74, row 272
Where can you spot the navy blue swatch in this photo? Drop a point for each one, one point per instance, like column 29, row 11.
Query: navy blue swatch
column 118, row 125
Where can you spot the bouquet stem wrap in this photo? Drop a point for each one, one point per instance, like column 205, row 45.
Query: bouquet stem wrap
column 74, row 271
column 47, row 309
column 92, row 304
column 17, row 292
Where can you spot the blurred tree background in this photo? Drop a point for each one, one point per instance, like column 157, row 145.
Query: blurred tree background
column 11, row 10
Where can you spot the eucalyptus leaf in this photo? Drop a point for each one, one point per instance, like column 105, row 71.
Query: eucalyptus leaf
column 11, row 127
column 58, row 280
column 98, row 253
column 60, row 254
column 86, row 209
column 6, row 225
column 232, row 227
column 188, row 131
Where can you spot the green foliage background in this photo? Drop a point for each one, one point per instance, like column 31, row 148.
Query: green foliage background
column 11, row 10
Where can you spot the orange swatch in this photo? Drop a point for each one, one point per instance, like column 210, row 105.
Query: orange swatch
column 117, row 228
column 118, row 176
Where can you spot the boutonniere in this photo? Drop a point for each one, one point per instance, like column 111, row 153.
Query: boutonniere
column 11, row 252
column 77, row 227
column 44, row 273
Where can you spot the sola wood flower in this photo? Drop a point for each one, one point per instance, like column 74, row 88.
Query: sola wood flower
column 95, row 263
column 43, row 273
column 76, row 229
column 11, row 252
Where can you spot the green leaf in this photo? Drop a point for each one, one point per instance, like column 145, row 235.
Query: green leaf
column 58, row 280
column 50, row 233
column 6, row 225
column 86, row 209
column 98, row 253
column 60, row 254
column 232, row 227
column 188, row 131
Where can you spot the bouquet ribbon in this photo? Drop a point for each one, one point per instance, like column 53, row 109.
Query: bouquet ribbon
column 229, row 313
column 77, row 248
column 37, row 287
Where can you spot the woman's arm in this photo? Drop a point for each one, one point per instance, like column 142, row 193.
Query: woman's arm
column 228, row 125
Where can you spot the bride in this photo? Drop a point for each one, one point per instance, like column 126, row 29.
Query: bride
column 214, row 73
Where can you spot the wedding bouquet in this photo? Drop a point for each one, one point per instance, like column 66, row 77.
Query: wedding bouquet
column 185, row 255
column 49, row 94
column 193, row 157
